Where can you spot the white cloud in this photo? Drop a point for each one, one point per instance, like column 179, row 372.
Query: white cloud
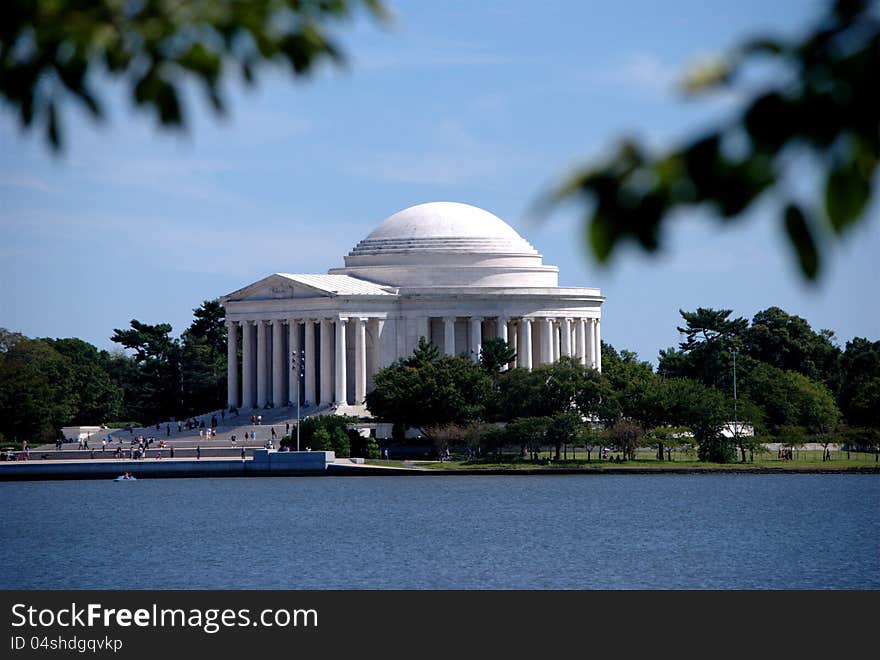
column 24, row 183
column 642, row 73
column 448, row 152
column 440, row 58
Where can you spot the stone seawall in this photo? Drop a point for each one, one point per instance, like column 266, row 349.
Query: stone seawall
column 264, row 463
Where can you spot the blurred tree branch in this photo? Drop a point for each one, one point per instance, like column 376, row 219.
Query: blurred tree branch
column 829, row 106
column 50, row 49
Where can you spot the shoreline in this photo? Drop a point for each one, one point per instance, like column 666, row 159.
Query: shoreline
column 235, row 467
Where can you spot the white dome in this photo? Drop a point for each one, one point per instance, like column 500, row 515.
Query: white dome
column 447, row 244
column 443, row 227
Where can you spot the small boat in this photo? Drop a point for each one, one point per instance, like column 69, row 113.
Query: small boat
column 125, row 477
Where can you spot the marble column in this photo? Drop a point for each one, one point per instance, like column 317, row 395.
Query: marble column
column 501, row 333
column 262, row 370
column 360, row 361
column 232, row 364
column 547, row 332
column 449, row 335
column 309, row 351
column 326, row 393
column 555, row 340
column 566, row 338
column 423, row 329
column 598, row 346
column 501, row 328
column 294, row 361
column 247, row 364
column 581, row 340
column 340, row 361
column 591, row 344
column 278, row 362
column 513, row 335
column 374, row 357
column 476, row 337
column 526, row 343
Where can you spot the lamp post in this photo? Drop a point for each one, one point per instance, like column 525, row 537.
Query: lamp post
column 297, row 361
column 735, row 421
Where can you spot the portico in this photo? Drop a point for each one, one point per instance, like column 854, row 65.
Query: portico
column 452, row 273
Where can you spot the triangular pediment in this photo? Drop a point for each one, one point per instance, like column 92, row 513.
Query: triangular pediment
column 284, row 286
column 277, row 287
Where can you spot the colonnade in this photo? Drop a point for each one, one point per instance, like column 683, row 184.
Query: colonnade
column 536, row 340
column 268, row 377
column 319, row 346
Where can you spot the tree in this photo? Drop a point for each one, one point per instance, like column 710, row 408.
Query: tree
column 124, row 373
column 496, row 354
column 157, row 356
column 51, row 52
column 529, row 434
column 705, row 353
column 203, row 359
column 788, row 398
column 789, row 343
column 592, row 439
column 97, row 398
column 564, row 429
column 624, row 435
column 332, row 425
column 748, row 414
column 666, row 439
column 321, row 440
column 860, row 366
column 36, row 391
column 427, row 391
column 821, row 106
column 703, row 410
column 340, row 443
column 519, row 394
column 864, row 407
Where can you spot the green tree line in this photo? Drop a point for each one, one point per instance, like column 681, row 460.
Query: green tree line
column 793, row 384
column 46, row 384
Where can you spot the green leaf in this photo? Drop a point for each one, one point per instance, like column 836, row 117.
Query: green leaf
column 601, row 236
column 801, row 239
column 846, row 193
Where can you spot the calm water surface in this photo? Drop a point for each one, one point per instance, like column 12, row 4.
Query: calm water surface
column 501, row 532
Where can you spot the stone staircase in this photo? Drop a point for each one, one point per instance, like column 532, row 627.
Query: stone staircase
column 227, row 426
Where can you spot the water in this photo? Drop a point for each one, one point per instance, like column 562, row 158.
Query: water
column 501, row 532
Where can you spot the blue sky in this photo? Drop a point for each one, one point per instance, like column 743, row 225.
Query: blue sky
column 486, row 103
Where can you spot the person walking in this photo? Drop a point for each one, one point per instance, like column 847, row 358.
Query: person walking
column 198, row 453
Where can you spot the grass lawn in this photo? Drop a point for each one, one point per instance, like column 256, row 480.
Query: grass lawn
column 647, row 459
column 384, row 463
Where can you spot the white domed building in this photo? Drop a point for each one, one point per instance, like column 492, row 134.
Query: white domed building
column 452, row 273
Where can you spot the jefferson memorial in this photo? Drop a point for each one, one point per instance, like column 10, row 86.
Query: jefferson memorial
column 450, row 272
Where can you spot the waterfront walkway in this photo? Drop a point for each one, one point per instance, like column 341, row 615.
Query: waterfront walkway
column 185, row 441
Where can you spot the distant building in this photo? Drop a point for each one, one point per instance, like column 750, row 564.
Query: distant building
column 77, row 433
column 452, row 273
column 732, row 430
